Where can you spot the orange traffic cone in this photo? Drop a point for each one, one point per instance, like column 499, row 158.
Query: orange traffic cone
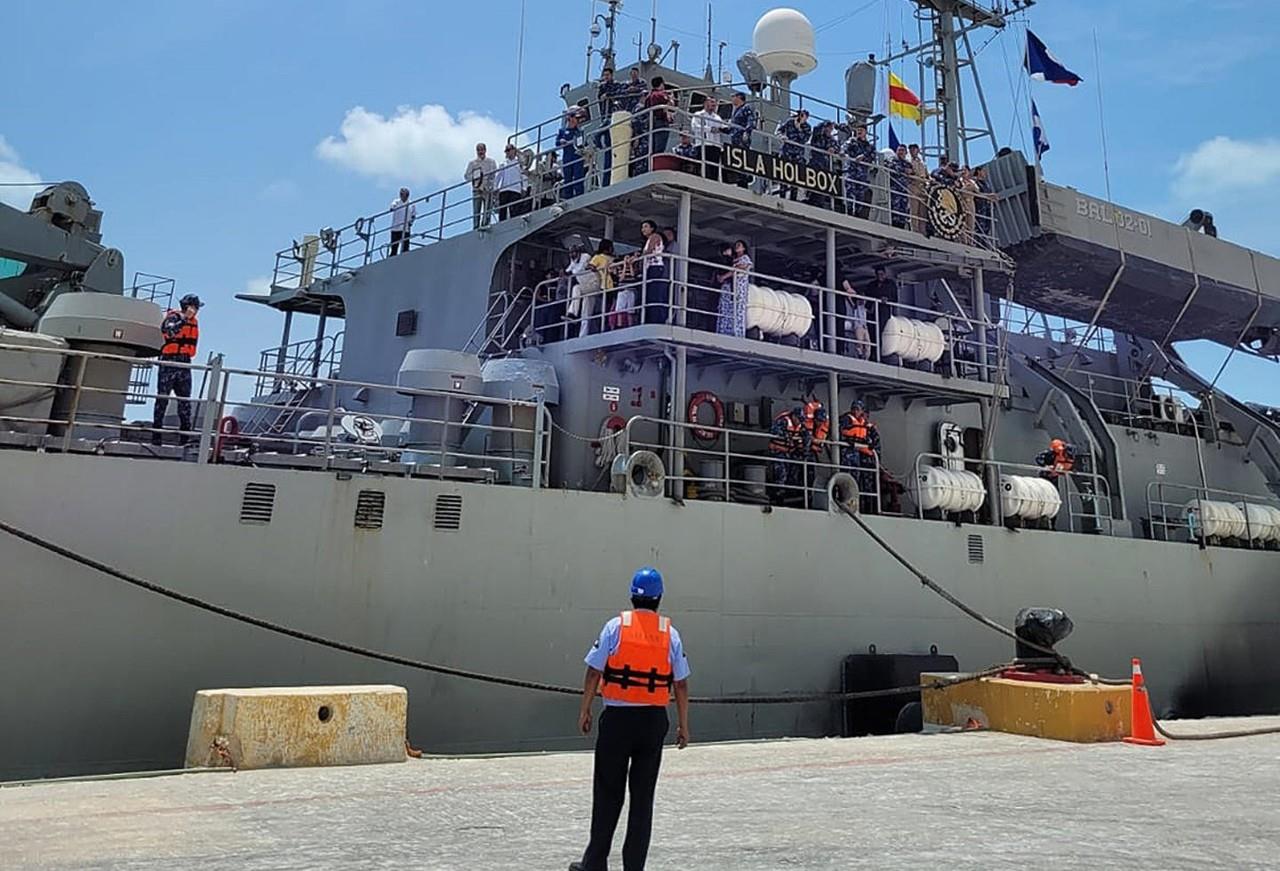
column 1142, row 729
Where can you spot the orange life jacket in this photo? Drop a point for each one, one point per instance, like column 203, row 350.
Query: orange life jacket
column 1062, row 462
column 182, row 344
column 820, row 428
column 639, row 671
column 857, row 432
column 790, row 440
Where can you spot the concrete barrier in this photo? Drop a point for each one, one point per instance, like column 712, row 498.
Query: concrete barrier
column 1064, row 711
column 295, row 727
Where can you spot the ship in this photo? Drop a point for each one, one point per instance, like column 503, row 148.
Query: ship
column 467, row 470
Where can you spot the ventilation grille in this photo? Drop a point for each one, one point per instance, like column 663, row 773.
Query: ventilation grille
column 370, row 505
column 975, row 549
column 448, row 511
column 258, row 503
column 407, row 322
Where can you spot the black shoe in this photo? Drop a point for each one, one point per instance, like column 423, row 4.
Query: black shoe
column 577, row 866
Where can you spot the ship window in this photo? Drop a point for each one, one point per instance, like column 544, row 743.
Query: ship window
column 257, row 503
column 975, row 549
column 407, row 322
column 370, row 505
column 448, row 511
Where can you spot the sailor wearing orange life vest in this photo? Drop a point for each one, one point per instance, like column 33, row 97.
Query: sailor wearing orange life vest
column 637, row 664
column 861, row 449
column 181, row 334
column 1059, row 460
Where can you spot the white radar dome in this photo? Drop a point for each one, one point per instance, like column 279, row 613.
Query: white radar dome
column 783, row 40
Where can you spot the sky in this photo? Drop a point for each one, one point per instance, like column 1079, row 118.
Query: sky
column 212, row 134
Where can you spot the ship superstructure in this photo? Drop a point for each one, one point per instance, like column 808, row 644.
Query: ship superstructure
column 487, row 445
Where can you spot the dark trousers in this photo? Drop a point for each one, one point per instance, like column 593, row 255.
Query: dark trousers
column 172, row 379
column 628, row 750
column 508, row 203
column 656, row 293
column 399, row 242
column 604, row 145
column 574, row 171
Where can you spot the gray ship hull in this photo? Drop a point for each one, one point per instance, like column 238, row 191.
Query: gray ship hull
column 100, row 676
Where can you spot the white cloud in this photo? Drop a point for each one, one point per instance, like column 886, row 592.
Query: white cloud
column 279, row 191
column 13, row 172
column 261, row 285
column 1221, row 165
column 426, row 144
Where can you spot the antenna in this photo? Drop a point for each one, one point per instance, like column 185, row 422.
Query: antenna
column 520, row 65
column 708, row 73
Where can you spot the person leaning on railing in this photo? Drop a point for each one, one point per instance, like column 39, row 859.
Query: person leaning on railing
column 742, row 123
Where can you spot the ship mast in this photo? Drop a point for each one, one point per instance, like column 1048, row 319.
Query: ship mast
column 947, row 54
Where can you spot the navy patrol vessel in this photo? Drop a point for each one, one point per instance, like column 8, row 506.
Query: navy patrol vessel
column 497, row 433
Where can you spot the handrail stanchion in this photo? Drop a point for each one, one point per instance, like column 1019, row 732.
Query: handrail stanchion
column 75, row 404
column 208, row 419
column 328, row 428
column 536, row 471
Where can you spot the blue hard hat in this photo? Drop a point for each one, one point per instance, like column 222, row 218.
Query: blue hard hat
column 647, row 583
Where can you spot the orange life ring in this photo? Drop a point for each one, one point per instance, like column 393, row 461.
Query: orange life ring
column 717, row 407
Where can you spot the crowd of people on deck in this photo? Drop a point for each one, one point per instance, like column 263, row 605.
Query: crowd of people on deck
column 558, row 169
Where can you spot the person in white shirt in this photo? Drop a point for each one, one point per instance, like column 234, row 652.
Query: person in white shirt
column 509, row 185
column 708, row 129
column 402, row 214
column 480, row 173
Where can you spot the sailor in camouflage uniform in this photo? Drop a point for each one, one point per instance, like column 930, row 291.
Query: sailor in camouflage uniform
column 861, row 156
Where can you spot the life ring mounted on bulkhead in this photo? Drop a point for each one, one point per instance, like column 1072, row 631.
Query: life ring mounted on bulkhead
column 696, row 401
column 607, row 445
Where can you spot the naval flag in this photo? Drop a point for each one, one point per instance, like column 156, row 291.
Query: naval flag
column 893, row 139
column 1044, row 67
column 902, row 101
column 1038, row 137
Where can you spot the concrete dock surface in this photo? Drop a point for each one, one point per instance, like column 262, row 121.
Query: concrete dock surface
column 971, row 800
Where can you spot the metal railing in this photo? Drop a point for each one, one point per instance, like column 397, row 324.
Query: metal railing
column 1174, row 512
column 1028, row 322
column 158, row 289
column 722, row 464
column 889, row 198
column 291, row 364
column 71, row 414
column 1085, row 495
column 845, row 323
column 1147, row 404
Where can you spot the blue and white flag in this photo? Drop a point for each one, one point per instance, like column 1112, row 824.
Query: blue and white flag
column 1038, row 137
column 1043, row 66
column 893, row 139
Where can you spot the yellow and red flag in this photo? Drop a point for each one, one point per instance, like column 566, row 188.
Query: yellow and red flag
column 902, row 101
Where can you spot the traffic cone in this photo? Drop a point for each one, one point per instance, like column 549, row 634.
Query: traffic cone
column 1142, row 729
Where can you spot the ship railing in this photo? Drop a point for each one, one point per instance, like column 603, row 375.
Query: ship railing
column 892, row 198
column 846, row 323
column 719, row 464
column 491, row 438
column 158, row 289
column 1028, row 322
column 1146, row 404
column 1086, row 495
column 1175, row 511
column 289, row 363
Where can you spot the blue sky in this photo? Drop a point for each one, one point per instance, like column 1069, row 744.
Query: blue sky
column 212, row 134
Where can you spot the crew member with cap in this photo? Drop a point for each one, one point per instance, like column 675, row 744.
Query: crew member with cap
column 790, row 442
column 861, row 156
column 796, row 131
column 181, row 333
column 1059, row 460
column 818, row 423
column 637, row 664
column 861, row 452
column 742, row 124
